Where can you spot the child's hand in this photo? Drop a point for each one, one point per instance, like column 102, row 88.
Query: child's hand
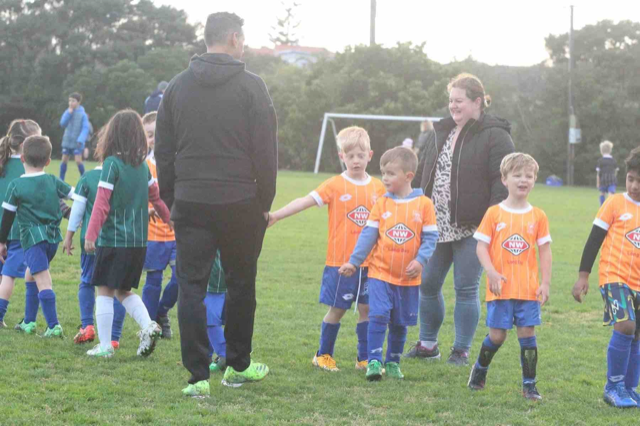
column 3, row 252
column 67, row 246
column 543, row 294
column 153, row 215
column 272, row 220
column 495, row 282
column 89, row 246
column 580, row 288
column 414, row 269
column 347, row 269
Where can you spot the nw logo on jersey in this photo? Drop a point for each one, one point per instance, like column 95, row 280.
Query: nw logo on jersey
column 634, row 237
column 359, row 216
column 386, row 215
column 501, row 226
column 345, row 197
column 626, row 216
column 400, row 234
column 515, row 244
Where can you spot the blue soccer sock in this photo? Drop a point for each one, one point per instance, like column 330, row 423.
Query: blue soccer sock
column 601, row 199
column 81, row 168
column 217, row 343
column 48, row 302
column 328, row 336
column 87, row 301
column 63, row 170
column 4, row 304
column 377, row 329
column 487, row 352
column 119, row 312
column 169, row 295
column 633, row 370
column 362, row 331
column 618, row 357
column 528, row 358
column 151, row 293
column 32, row 302
column 395, row 342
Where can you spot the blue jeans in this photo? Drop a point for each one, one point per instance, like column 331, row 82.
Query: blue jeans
column 466, row 282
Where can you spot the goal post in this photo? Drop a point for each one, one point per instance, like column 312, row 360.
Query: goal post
column 328, row 118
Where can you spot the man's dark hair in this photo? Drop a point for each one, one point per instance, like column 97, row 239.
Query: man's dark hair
column 36, row 150
column 77, row 96
column 633, row 161
column 220, row 25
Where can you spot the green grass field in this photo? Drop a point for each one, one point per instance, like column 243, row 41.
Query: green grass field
column 52, row 381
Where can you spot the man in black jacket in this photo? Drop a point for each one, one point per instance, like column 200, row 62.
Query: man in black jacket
column 216, row 152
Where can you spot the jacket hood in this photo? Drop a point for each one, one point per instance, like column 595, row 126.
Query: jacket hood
column 486, row 121
column 214, row 69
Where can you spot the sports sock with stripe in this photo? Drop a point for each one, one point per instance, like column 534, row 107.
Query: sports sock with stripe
column 328, row 336
column 104, row 319
column 48, row 302
column 362, row 331
column 31, row 302
column 618, row 357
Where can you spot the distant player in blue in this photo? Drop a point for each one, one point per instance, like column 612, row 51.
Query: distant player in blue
column 214, row 301
column 75, row 123
column 607, row 170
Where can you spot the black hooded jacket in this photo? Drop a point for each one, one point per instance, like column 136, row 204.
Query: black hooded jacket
column 216, row 135
column 475, row 173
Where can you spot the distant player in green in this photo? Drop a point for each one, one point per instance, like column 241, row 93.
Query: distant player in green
column 34, row 199
column 118, row 227
column 14, row 267
column 214, row 301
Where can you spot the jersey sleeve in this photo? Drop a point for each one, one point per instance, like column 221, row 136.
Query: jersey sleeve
column 606, row 215
column 598, row 165
column 429, row 217
column 81, row 191
column 64, row 189
column 374, row 216
column 322, row 194
column 109, row 175
column 11, row 200
column 544, row 236
column 484, row 232
column 150, row 179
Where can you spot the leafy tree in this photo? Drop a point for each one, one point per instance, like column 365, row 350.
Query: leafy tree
column 285, row 29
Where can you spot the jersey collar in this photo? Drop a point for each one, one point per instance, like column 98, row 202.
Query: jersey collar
column 516, row 211
column 16, row 156
column 414, row 194
column 365, row 182
column 26, row 175
column 98, row 168
column 606, row 156
column 628, row 198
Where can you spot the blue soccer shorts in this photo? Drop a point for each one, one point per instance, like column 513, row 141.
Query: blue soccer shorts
column 394, row 304
column 504, row 314
column 620, row 303
column 160, row 254
column 38, row 257
column 341, row 292
column 14, row 265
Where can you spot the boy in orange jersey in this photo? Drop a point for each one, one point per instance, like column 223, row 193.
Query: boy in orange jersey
column 506, row 239
column 402, row 233
column 350, row 197
column 617, row 225
column 161, row 251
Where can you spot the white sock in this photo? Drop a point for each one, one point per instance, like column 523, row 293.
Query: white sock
column 429, row 344
column 136, row 309
column 104, row 319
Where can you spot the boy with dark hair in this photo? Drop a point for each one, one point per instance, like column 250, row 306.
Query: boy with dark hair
column 617, row 229
column 75, row 123
column 34, row 200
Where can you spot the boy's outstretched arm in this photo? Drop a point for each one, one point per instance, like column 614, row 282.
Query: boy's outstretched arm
column 296, row 206
column 545, row 267
column 366, row 241
column 495, row 278
column 589, row 254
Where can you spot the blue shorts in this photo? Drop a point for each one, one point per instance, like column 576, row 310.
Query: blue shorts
column 611, row 189
column 39, row 256
column 214, row 303
column 14, row 265
column 87, row 264
column 73, row 151
column 339, row 291
column 160, row 254
column 504, row 314
column 395, row 304
column 620, row 304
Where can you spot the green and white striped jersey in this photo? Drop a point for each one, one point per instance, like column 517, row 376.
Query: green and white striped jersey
column 86, row 190
column 12, row 170
column 217, row 283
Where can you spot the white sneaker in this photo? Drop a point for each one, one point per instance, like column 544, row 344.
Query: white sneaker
column 98, row 352
column 148, row 337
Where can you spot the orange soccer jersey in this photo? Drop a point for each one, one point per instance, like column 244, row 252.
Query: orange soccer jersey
column 158, row 230
column 512, row 235
column 350, row 203
column 620, row 252
column 400, row 224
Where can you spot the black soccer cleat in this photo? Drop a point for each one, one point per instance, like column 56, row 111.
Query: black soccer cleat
column 477, row 378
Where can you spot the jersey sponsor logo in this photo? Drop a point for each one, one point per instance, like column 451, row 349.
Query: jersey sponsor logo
column 417, row 216
column 501, row 226
column 634, row 237
column 531, row 228
column 515, row 244
column 400, row 234
column 345, row 197
column 626, row 217
column 359, row 216
column 386, row 215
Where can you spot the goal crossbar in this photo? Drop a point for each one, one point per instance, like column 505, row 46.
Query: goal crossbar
column 329, row 115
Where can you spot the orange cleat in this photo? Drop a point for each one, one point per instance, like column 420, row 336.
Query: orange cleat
column 115, row 344
column 87, row 334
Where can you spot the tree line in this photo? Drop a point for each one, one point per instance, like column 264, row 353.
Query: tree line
column 115, row 52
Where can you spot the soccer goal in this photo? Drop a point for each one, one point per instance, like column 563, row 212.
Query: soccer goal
column 329, row 119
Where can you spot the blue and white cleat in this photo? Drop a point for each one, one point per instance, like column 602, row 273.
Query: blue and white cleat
column 618, row 396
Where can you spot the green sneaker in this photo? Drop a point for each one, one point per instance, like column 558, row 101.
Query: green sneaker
column 374, row 370
column 97, row 352
column 56, row 331
column 219, row 365
column 255, row 372
column 197, row 390
column 26, row 327
column 393, row 370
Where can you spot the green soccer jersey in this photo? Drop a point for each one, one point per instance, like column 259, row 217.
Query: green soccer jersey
column 128, row 220
column 217, row 284
column 35, row 199
column 86, row 191
column 12, row 170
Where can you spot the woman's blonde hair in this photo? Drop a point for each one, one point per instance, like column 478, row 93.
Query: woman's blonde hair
column 472, row 86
